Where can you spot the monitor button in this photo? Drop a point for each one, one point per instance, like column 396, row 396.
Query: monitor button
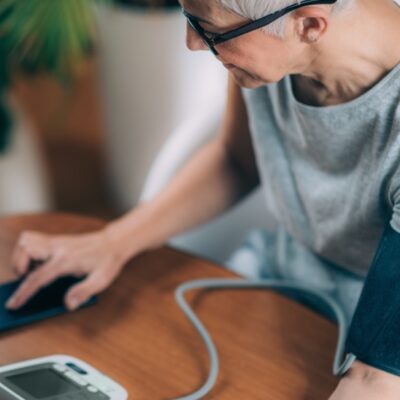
column 59, row 367
column 92, row 389
column 101, row 386
column 75, row 378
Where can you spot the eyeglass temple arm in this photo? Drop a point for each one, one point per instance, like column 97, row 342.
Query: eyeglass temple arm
column 259, row 23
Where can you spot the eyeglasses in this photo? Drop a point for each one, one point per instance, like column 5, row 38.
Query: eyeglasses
column 214, row 39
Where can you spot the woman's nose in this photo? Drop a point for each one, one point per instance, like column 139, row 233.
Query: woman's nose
column 193, row 41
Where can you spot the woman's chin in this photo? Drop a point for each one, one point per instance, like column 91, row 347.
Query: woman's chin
column 246, row 80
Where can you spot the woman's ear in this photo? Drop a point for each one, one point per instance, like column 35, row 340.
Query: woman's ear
column 312, row 23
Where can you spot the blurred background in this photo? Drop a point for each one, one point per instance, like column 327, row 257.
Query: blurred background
column 100, row 104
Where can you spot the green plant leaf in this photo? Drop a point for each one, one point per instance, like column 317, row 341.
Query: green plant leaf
column 50, row 36
column 46, row 35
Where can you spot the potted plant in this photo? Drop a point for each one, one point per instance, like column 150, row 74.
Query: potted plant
column 36, row 37
column 151, row 84
column 150, row 3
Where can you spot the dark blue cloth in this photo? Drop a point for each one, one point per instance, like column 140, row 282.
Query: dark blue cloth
column 374, row 334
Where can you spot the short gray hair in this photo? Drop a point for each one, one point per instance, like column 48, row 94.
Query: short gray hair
column 254, row 9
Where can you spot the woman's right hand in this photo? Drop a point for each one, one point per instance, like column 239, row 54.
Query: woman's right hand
column 96, row 256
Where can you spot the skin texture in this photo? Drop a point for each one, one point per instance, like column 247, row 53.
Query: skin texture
column 332, row 59
column 329, row 67
column 367, row 383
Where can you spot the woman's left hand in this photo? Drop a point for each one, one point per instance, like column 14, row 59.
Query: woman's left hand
column 367, row 383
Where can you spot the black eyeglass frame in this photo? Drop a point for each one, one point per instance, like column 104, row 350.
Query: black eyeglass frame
column 215, row 39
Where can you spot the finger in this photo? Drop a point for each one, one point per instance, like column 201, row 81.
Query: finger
column 80, row 293
column 38, row 279
column 29, row 247
column 21, row 262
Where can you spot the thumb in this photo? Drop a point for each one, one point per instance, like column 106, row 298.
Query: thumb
column 80, row 293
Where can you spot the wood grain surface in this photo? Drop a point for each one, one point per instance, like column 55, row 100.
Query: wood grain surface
column 270, row 347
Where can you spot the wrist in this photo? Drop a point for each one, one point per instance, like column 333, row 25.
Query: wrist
column 119, row 244
column 130, row 234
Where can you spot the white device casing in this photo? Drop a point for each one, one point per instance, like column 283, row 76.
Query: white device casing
column 94, row 377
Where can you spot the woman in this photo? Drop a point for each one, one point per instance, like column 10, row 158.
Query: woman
column 313, row 115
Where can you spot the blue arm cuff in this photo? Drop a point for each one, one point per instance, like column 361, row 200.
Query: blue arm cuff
column 374, row 334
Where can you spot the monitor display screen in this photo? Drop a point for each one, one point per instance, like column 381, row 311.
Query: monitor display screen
column 43, row 383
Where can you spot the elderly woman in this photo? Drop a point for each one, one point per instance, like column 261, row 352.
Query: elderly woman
column 313, row 115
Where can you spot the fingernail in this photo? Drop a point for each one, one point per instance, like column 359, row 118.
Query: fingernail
column 73, row 304
column 11, row 303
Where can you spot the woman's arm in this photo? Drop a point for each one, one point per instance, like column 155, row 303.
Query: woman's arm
column 215, row 179
column 218, row 176
column 367, row 383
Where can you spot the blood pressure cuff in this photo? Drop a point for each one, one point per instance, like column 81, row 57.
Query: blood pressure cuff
column 374, row 333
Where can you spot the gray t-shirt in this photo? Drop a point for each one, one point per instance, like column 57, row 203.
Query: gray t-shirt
column 331, row 174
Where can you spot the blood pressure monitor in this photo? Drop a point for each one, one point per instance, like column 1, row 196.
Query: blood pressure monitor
column 57, row 377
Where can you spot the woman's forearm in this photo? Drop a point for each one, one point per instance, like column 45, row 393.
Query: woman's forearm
column 207, row 186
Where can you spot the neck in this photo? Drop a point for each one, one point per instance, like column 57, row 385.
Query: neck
column 359, row 50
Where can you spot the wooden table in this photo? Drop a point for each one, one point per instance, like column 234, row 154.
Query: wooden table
column 270, row 347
